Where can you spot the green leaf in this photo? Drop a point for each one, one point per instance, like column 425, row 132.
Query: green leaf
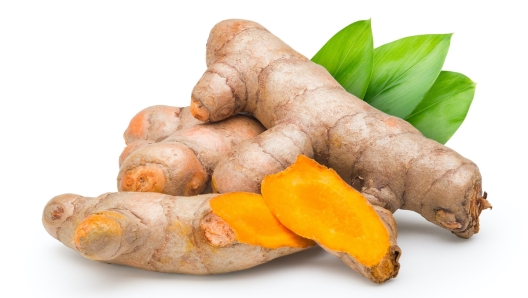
column 348, row 56
column 404, row 70
column 444, row 107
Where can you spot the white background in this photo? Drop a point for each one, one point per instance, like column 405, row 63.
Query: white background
column 72, row 74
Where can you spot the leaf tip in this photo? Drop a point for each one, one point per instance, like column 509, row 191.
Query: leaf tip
column 445, row 36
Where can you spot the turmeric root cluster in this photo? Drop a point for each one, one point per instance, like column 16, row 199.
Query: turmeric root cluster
column 272, row 157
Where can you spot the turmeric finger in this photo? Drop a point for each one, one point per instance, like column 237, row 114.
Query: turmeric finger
column 133, row 146
column 206, row 234
column 155, row 123
column 183, row 163
column 170, row 168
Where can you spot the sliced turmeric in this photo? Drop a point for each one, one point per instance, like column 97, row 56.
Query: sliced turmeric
column 314, row 202
column 251, row 219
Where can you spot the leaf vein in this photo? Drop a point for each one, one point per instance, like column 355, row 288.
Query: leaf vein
column 407, row 70
column 350, row 49
column 438, row 102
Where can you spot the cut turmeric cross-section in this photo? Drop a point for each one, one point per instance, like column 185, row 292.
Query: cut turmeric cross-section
column 250, row 218
column 315, row 203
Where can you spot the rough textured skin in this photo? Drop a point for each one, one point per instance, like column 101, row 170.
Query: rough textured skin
column 169, row 168
column 158, row 122
column 133, row 147
column 154, row 124
column 152, row 231
column 182, row 164
column 305, row 109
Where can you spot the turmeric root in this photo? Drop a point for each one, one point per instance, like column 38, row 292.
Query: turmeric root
column 182, row 164
column 156, row 123
column 206, row 234
column 131, row 148
column 307, row 112
column 314, row 202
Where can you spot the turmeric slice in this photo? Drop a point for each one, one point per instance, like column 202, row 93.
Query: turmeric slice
column 252, row 221
column 314, row 202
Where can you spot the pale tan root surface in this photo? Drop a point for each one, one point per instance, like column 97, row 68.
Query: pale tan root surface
column 182, row 164
column 155, row 123
column 130, row 148
column 152, row 231
column 170, row 168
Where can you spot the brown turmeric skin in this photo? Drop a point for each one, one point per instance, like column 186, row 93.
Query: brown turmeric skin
column 131, row 148
column 182, row 164
column 165, row 233
column 307, row 112
column 156, row 123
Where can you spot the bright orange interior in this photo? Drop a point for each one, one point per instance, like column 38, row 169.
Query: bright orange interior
column 315, row 203
column 250, row 218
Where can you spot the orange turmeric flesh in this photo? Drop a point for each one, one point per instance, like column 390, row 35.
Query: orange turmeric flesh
column 315, row 203
column 253, row 223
